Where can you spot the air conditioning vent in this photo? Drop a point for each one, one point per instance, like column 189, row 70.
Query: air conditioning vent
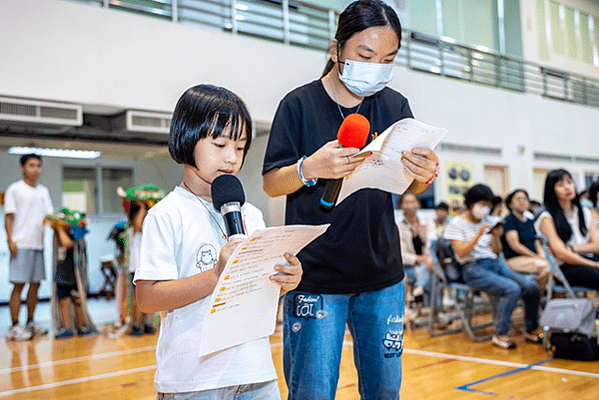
column 478, row 150
column 140, row 121
column 565, row 158
column 40, row 112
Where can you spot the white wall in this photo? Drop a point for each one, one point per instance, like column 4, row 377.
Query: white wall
column 63, row 51
column 530, row 37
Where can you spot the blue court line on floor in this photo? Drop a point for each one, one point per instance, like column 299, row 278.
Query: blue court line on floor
column 467, row 387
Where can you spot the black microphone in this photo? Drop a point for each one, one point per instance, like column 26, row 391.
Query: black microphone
column 228, row 197
column 353, row 132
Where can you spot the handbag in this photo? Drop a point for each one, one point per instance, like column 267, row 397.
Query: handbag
column 574, row 333
column 572, row 346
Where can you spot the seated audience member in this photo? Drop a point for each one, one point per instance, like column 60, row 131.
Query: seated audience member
column 496, row 206
column 523, row 251
column 440, row 222
column 584, row 198
column 535, row 209
column 415, row 246
column 569, row 232
column 477, row 249
column 593, row 191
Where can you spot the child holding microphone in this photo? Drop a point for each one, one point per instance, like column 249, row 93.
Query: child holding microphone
column 184, row 249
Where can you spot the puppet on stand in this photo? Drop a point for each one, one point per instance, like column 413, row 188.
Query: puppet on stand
column 137, row 201
column 70, row 283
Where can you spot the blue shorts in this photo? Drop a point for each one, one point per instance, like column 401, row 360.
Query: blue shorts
column 255, row 391
column 27, row 266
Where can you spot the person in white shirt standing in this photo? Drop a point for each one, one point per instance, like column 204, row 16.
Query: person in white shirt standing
column 26, row 204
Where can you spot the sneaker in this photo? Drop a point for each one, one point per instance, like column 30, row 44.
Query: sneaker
column 444, row 319
column 17, row 332
column 136, row 330
column 149, row 329
column 504, row 344
column 418, row 295
column 448, row 301
column 36, row 329
column 84, row 331
column 63, row 333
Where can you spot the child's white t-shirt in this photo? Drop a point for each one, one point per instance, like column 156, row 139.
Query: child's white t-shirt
column 134, row 243
column 181, row 239
column 29, row 205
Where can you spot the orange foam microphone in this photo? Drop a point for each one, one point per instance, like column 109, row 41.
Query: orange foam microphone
column 353, row 132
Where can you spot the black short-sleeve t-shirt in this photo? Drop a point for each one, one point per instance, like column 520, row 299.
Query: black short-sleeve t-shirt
column 360, row 250
column 65, row 266
column 526, row 235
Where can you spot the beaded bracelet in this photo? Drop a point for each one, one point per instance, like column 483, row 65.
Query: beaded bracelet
column 309, row 183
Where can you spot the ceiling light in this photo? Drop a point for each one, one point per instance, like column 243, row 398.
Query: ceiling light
column 88, row 154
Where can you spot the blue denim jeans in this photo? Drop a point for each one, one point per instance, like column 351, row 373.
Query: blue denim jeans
column 314, row 328
column 493, row 276
column 255, row 391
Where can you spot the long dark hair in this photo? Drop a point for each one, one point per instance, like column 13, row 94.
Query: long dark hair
column 361, row 15
column 564, row 230
column 593, row 190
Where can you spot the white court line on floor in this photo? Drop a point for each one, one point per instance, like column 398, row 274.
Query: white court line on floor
column 502, row 363
column 78, row 380
column 78, row 359
column 275, row 345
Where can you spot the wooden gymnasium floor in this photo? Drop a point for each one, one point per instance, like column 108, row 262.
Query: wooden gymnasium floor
column 447, row 367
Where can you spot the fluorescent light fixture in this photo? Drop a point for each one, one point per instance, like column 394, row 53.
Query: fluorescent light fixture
column 88, row 154
column 239, row 17
column 241, row 7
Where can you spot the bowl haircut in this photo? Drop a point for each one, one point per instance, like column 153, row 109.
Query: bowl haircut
column 207, row 111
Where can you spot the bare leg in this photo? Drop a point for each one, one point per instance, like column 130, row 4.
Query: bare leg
column 79, row 318
column 15, row 301
column 65, row 312
column 32, row 298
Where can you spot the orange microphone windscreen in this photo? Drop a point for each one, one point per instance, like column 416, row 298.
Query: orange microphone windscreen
column 354, row 131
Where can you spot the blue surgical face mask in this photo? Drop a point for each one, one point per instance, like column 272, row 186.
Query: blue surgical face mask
column 364, row 78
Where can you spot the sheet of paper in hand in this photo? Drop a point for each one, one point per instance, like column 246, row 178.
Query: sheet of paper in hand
column 244, row 304
column 383, row 169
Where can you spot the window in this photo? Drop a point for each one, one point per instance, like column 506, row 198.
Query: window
column 496, row 179
column 80, row 188
column 112, row 178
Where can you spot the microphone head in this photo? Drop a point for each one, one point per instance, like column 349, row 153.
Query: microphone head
column 227, row 189
column 354, row 131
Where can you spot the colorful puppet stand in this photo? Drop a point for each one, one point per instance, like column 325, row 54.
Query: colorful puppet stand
column 73, row 222
column 149, row 195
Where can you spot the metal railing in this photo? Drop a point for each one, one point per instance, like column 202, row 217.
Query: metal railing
column 297, row 23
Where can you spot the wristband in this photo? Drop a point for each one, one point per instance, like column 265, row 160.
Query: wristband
column 309, row 183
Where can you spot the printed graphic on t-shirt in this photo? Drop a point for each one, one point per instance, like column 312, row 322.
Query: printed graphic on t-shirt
column 207, row 257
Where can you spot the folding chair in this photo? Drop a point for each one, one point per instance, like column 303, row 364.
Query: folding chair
column 466, row 308
column 563, row 286
column 109, row 271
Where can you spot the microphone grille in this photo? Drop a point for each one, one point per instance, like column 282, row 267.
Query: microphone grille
column 354, row 131
column 227, row 189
